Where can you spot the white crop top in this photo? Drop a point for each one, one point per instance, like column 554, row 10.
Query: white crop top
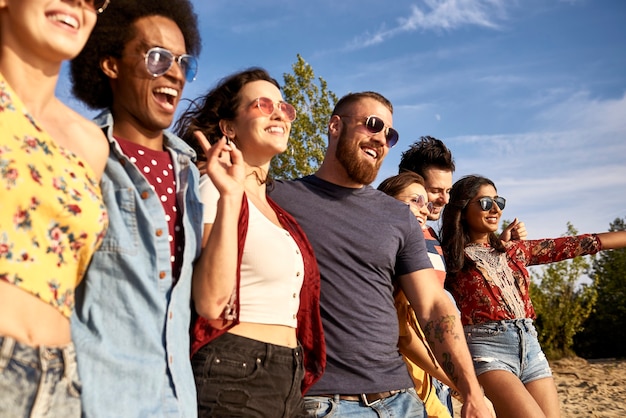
column 272, row 268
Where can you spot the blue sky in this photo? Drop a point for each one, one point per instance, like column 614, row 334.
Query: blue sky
column 531, row 93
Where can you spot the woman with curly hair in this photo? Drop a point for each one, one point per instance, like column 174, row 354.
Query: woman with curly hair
column 490, row 283
column 52, row 217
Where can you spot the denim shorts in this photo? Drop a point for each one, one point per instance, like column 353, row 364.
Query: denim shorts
column 406, row 403
column 241, row 377
column 510, row 345
column 38, row 381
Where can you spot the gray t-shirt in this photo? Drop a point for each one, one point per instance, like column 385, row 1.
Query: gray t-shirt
column 363, row 239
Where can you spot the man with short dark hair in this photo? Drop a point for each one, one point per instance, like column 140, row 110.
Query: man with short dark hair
column 131, row 326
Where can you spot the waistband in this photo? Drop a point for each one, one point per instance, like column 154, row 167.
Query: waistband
column 367, row 398
column 42, row 357
column 524, row 324
column 264, row 351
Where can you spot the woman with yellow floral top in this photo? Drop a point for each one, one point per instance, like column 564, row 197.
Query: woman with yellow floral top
column 52, row 217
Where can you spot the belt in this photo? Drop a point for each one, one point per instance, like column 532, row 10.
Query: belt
column 367, row 398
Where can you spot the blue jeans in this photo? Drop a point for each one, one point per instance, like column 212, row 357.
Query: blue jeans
column 241, row 377
column 443, row 393
column 510, row 345
column 403, row 404
column 38, row 381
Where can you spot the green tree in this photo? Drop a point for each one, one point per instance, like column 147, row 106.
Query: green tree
column 314, row 103
column 562, row 303
column 604, row 335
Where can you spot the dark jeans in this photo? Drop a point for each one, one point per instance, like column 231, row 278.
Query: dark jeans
column 240, row 377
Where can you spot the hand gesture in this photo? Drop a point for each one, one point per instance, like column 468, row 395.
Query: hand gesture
column 516, row 230
column 224, row 166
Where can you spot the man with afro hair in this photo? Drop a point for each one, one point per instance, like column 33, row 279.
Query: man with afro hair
column 131, row 325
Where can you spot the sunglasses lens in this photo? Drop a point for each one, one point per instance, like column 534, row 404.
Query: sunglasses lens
column 501, row 202
column 266, row 105
column 430, row 206
column 485, row 203
column 392, row 137
column 189, row 65
column 374, row 124
column 159, row 61
column 288, row 110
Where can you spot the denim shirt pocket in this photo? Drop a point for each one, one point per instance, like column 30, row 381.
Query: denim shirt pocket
column 123, row 233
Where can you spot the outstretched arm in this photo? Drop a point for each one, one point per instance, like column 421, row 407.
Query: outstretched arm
column 442, row 327
column 612, row 240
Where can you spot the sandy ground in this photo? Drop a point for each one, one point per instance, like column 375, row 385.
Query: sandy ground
column 591, row 389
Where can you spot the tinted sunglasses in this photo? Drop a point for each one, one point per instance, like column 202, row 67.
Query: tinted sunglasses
column 267, row 106
column 160, row 60
column 486, row 203
column 96, row 6
column 419, row 201
column 374, row 124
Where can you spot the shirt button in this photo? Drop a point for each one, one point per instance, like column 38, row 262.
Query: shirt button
column 162, row 275
column 298, row 252
column 298, row 274
column 171, row 359
column 171, row 314
column 294, row 316
column 295, row 295
column 159, row 232
column 144, row 195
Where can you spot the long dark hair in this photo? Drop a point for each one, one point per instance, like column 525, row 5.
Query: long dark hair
column 221, row 102
column 454, row 232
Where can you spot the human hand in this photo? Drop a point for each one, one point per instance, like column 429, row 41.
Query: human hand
column 516, row 230
column 479, row 409
column 224, row 164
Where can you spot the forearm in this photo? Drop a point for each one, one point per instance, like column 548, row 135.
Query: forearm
column 444, row 333
column 215, row 272
column 612, row 240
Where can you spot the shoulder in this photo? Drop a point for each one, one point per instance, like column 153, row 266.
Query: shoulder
column 85, row 139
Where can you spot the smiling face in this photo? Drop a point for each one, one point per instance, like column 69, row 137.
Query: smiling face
column 259, row 136
column 410, row 195
column 360, row 152
column 143, row 106
column 50, row 30
column 438, row 185
column 480, row 223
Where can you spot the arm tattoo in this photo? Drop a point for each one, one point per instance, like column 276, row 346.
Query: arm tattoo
column 435, row 332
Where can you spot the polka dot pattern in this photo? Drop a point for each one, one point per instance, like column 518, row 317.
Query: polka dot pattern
column 158, row 169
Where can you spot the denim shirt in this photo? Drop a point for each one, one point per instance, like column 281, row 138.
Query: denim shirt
column 131, row 327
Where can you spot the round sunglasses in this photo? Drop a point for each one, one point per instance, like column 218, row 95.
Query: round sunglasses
column 374, row 124
column 160, row 60
column 267, row 106
column 419, row 201
column 486, row 203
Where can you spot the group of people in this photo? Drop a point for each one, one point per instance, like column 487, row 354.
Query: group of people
column 154, row 273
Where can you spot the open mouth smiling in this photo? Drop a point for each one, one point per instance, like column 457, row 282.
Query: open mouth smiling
column 66, row 19
column 166, row 95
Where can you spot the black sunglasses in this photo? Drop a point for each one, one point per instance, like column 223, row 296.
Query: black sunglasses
column 374, row 124
column 486, row 203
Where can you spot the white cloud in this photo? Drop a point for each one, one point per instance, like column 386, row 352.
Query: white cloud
column 439, row 15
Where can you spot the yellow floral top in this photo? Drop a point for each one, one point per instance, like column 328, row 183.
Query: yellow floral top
column 52, row 217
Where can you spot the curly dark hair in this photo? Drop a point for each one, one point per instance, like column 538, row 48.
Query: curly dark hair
column 424, row 153
column 454, row 230
column 221, row 102
column 113, row 30
column 394, row 185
